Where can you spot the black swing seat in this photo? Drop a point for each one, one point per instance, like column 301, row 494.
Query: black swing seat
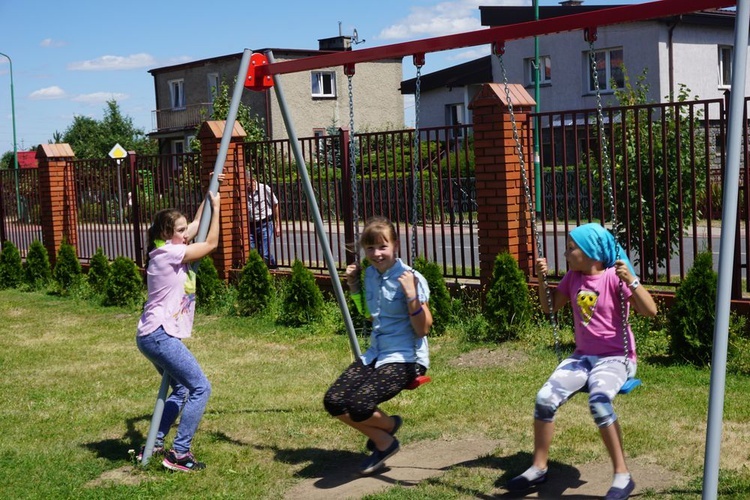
column 626, row 388
column 420, row 380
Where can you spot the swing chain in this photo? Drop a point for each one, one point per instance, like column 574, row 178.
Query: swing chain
column 606, row 167
column 529, row 200
column 353, row 170
column 416, row 160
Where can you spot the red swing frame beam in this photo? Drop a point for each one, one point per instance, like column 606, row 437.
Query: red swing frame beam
column 260, row 72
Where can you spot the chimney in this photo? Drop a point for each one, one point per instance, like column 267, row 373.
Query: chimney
column 571, row 3
column 335, row 43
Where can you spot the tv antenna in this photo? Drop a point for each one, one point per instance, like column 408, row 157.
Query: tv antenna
column 355, row 38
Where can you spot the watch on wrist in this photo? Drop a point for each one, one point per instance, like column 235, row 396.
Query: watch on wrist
column 635, row 284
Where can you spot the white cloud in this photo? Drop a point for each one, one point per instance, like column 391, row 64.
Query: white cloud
column 49, row 42
column 105, row 63
column 100, row 97
column 470, row 54
column 48, row 93
column 444, row 18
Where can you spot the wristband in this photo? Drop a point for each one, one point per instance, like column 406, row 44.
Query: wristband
column 635, row 284
column 415, row 313
column 409, row 300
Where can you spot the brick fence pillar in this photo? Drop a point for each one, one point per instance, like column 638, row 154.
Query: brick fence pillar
column 57, row 197
column 234, row 240
column 503, row 217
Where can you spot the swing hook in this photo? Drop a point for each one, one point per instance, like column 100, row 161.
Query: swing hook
column 349, row 69
column 498, row 48
column 419, row 60
column 589, row 34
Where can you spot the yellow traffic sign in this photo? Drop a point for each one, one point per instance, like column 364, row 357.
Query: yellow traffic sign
column 118, row 152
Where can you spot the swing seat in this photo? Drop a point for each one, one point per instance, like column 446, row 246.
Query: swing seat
column 420, row 380
column 626, row 388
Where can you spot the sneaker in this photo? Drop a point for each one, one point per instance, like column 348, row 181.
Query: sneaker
column 620, row 493
column 157, row 451
column 378, row 458
column 186, row 464
column 398, row 421
column 521, row 483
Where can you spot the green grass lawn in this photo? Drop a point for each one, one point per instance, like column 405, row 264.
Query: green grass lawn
column 77, row 395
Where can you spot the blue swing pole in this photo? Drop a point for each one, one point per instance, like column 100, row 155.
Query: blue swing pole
column 726, row 253
column 319, row 227
column 205, row 221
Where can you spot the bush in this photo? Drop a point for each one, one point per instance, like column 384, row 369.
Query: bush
column 303, row 302
column 11, row 266
column 209, row 288
column 37, row 271
column 507, row 306
column 98, row 271
column 692, row 316
column 255, row 288
column 124, row 286
column 67, row 267
column 441, row 304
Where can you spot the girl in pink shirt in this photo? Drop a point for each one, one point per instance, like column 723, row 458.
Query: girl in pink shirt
column 598, row 272
column 168, row 318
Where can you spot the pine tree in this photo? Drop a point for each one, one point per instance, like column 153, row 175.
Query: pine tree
column 303, row 302
column 11, row 266
column 37, row 270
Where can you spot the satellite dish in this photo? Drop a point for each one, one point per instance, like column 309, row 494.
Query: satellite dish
column 355, row 38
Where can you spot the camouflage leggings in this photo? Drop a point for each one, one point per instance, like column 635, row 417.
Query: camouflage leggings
column 603, row 375
column 360, row 389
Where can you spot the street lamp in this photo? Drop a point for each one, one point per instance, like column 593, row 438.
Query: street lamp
column 13, row 119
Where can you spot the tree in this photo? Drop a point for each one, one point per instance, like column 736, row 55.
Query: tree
column 91, row 138
column 251, row 122
column 650, row 171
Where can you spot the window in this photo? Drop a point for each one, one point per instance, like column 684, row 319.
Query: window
column 323, row 84
column 608, row 70
column 725, row 66
column 454, row 117
column 213, row 86
column 178, row 148
column 177, row 94
column 545, row 70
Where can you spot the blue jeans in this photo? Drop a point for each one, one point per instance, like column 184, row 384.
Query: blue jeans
column 190, row 387
column 263, row 232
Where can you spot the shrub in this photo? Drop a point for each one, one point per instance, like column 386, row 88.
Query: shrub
column 692, row 316
column 124, row 286
column 37, row 271
column 11, row 266
column 440, row 300
column 209, row 288
column 303, row 302
column 507, row 306
column 67, row 267
column 255, row 288
column 98, row 271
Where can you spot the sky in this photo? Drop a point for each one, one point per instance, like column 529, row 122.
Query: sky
column 69, row 58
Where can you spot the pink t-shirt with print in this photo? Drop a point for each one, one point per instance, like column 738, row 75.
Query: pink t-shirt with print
column 171, row 293
column 597, row 314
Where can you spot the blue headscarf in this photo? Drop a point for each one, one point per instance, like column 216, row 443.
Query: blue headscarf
column 599, row 244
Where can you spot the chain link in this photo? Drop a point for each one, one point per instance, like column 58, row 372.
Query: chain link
column 353, row 171
column 416, row 157
column 530, row 204
column 607, row 168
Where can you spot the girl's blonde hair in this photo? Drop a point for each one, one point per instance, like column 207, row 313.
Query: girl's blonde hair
column 378, row 229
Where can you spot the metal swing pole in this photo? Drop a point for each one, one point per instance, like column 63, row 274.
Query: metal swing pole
column 310, row 194
column 726, row 253
column 205, row 221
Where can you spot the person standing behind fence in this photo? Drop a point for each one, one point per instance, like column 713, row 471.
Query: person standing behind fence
column 263, row 209
column 397, row 303
column 167, row 319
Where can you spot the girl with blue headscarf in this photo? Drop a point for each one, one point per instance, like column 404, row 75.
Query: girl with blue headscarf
column 598, row 273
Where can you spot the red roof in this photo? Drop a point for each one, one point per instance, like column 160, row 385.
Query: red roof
column 27, row 159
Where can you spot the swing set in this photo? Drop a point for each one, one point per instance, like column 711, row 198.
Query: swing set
column 260, row 72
